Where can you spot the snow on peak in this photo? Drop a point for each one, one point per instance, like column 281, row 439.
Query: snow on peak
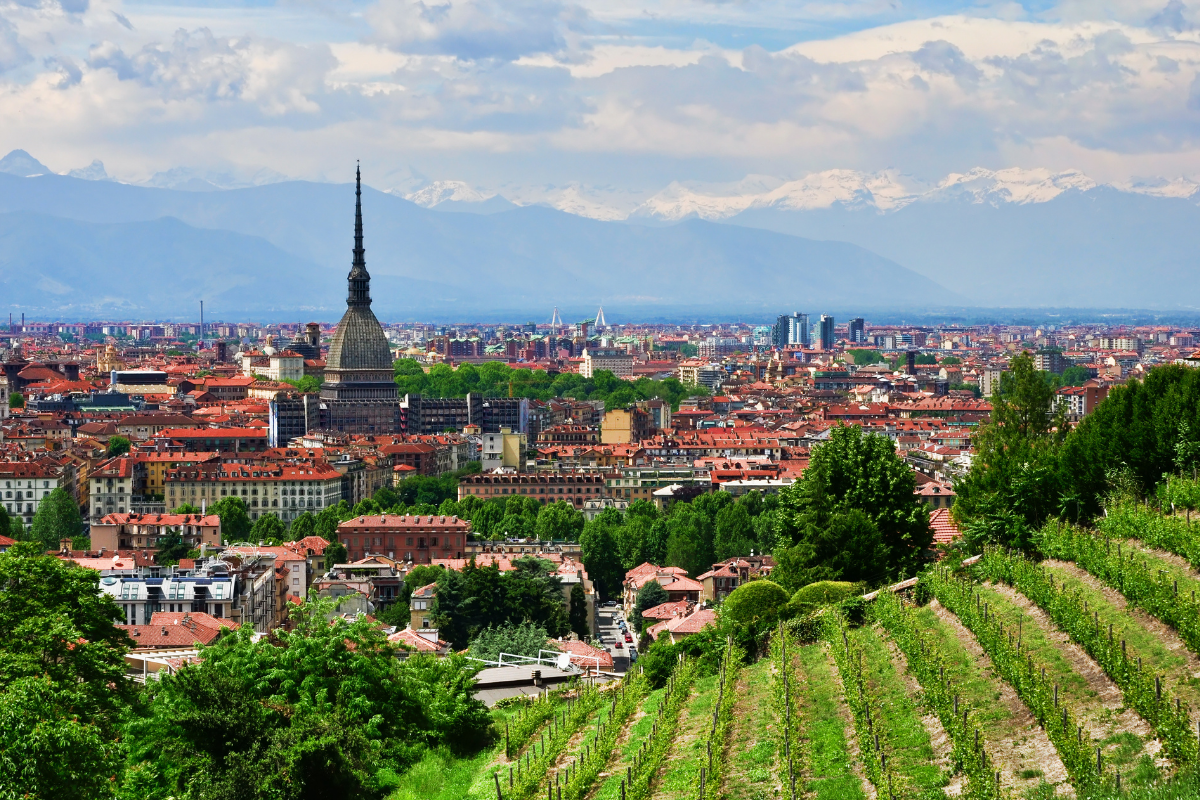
column 1013, row 185
column 442, row 191
column 883, row 190
column 1181, row 188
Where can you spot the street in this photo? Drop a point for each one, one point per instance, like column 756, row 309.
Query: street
column 610, row 633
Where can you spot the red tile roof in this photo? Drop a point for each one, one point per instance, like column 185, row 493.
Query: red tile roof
column 944, row 529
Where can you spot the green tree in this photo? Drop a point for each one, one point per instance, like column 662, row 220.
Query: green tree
column 689, row 539
column 734, row 532
column 235, row 521
column 651, row 594
column 1075, row 376
column 268, row 529
column 841, row 546
column 1013, row 485
column 559, row 520
column 118, row 446
column 577, row 612
column 755, row 603
column 865, row 358
column 335, row 553
column 170, row 549
column 602, row 559
column 63, row 689
column 323, row 709
column 5, row 529
column 16, row 400
column 521, row 639
column 853, row 470
column 57, row 518
column 303, row 526
column 186, row 508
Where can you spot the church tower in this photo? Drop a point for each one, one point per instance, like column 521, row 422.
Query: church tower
column 359, row 394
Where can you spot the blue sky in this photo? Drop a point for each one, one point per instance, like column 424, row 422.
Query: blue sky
column 609, row 99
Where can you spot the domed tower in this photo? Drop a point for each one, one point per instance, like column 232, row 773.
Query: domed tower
column 359, row 393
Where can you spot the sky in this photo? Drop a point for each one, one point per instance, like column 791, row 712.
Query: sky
column 608, row 98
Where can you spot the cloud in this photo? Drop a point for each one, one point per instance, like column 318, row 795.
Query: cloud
column 12, row 53
column 476, row 29
column 278, row 77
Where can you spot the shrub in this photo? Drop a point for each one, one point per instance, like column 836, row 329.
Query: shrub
column 815, row 595
column 756, row 602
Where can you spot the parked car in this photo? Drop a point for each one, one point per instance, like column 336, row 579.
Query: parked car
column 619, row 644
column 628, row 638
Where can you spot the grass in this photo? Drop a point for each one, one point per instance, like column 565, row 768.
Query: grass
column 903, row 737
column 751, row 754
column 610, row 789
column 1155, row 655
column 687, row 753
column 439, row 775
column 832, row 770
column 1073, row 689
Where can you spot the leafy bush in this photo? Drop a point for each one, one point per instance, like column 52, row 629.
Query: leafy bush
column 755, row 603
column 817, row 595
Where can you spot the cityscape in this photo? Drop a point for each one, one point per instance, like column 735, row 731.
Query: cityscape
column 522, row 399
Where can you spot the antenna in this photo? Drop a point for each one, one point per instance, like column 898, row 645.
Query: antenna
column 200, row 343
column 600, row 323
column 555, row 319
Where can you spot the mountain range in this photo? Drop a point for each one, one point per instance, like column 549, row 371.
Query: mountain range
column 83, row 244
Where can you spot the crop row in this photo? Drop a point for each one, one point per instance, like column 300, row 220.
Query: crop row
column 650, row 756
column 927, row 664
column 626, row 700
column 1081, row 758
column 529, row 720
column 848, row 655
column 1142, row 691
column 785, row 700
column 1133, row 521
column 1117, row 566
column 535, row 763
column 712, row 774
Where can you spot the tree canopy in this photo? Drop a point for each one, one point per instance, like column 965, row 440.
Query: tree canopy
column 854, row 514
column 57, row 518
column 498, row 379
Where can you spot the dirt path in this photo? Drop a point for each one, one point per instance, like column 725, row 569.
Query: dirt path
column 939, row 740
column 1022, row 747
column 1180, row 676
column 751, row 772
column 1107, row 717
column 1177, row 561
column 852, row 750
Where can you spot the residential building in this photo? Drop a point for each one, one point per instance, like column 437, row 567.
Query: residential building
column 640, row 482
column 291, row 415
column 595, row 359
column 143, row 427
column 223, row 440
column 111, row 487
column 574, row 487
column 989, row 380
column 1050, row 360
column 674, row 579
column 627, row 425
column 27, row 483
column 418, row 539
column 790, row 330
column 856, row 332
column 420, row 605
column 286, row 490
column 124, row 531
column 504, row 450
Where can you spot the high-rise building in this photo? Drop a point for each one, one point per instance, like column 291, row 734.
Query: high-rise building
column 857, row 332
column 826, row 332
column 359, row 394
column 791, row 330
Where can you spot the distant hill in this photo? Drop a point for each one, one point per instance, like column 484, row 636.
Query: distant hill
column 282, row 251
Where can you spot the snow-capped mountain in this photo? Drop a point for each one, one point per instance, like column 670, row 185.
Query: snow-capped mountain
column 883, row 191
column 441, row 191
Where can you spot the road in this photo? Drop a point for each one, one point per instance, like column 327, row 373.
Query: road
column 610, row 632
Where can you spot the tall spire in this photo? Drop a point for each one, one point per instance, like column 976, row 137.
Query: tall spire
column 359, row 279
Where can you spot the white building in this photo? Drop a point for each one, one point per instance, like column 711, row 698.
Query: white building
column 26, row 485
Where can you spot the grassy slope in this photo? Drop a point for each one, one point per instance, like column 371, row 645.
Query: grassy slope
column 1107, row 724
column 1174, row 665
column 832, row 768
column 610, row 789
column 687, row 753
column 751, row 758
column 907, row 742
